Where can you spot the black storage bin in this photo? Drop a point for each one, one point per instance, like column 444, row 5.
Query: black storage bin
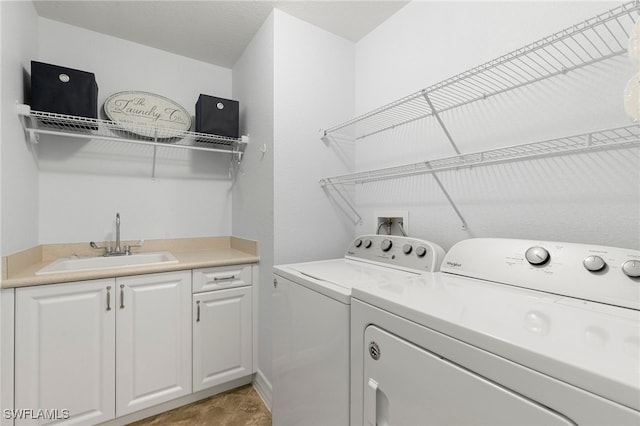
column 63, row 90
column 217, row 116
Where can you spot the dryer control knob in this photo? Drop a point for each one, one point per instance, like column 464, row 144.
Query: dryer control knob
column 537, row 255
column 357, row 243
column 367, row 243
column 594, row 263
column 386, row 245
column 406, row 249
column 631, row 268
column 421, row 251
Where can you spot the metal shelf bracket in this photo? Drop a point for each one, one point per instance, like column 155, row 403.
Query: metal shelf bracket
column 328, row 183
column 453, row 205
column 434, row 112
column 436, row 115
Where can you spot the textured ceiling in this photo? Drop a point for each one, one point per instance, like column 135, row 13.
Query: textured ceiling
column 216, row 32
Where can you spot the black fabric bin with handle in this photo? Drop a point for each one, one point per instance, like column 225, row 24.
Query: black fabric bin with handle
column 217, row 116
column 63, row 90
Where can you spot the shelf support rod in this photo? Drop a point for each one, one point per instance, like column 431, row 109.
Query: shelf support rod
column 453, row 205
column 440, row 122
column 455, row 148
column 345, row 199
column 153, row 168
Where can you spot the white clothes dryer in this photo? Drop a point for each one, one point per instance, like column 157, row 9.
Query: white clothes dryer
column 311, row 317
column 510, row 332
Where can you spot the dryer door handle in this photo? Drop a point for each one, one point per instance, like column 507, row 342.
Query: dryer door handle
column 370, row 403
column 376, row 405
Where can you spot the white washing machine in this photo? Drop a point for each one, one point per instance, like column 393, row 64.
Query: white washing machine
column 311, row 317
column 510, row 332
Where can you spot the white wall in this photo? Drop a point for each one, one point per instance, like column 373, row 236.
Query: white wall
column 590, row 198
column 84, row 183
column 313, row 87
column 291, row 79
column 18, row 204
column 253, row 189
column 19, row 173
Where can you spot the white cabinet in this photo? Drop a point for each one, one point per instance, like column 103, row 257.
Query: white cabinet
column 102, row 349
column 7, row 352
column 153, row 347
column 65, row 352
column 222, row 326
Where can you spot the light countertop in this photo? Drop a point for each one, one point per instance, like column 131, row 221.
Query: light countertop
column 192, row 253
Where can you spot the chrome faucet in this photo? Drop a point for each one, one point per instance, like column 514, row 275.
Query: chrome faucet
column 117, row 249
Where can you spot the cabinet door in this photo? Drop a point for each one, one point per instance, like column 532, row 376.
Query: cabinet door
column 153, row 348
column 7, row 352
column 222, row 336
column 64, row 353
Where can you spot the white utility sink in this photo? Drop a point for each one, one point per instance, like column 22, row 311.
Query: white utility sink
column 78, row 264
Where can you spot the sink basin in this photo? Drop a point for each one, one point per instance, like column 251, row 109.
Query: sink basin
column 78, row 264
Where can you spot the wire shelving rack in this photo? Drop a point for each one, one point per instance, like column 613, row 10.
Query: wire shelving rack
column 616, row 138
column 37, row 123
column 594, row 40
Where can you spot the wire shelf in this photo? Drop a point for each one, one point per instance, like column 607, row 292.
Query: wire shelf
column 594, row 40
column 616, row 138
column 39, row 122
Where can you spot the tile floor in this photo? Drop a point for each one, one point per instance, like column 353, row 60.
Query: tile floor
column 237, row 407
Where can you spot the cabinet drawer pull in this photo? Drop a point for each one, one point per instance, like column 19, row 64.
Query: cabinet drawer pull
column 108, row 298
column 229, row 277
column 121, row 296
column 198, row 311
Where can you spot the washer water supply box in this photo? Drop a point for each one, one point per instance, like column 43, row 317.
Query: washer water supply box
column 63, row 90
column 217, row 116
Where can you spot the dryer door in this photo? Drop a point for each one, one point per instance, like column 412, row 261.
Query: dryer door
column 407, row 385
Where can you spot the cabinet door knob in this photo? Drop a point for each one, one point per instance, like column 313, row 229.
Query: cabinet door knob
column 275, row 283
column 108, row 298
column 121, row 296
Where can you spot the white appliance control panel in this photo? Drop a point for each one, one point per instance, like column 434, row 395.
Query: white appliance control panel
column 601, row 274
column 405, row 253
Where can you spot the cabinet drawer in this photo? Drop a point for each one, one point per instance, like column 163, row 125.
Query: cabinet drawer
column 208, row 279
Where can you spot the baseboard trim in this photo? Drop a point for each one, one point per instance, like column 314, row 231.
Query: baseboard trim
column 179, row 402
column 263, row 388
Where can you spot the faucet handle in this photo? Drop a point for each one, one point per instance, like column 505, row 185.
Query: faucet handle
column 106, row 249
column 127, row 249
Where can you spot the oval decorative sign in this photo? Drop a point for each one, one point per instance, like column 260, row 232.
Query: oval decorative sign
column 147, row 114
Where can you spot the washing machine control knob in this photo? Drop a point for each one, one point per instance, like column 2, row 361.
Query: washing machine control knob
column 406, row 249
column 421, row 251
column 631, row 268
column 594, row 263
column 357, row 243
column 367, row 243
column 537, row 255
column 386, row 245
